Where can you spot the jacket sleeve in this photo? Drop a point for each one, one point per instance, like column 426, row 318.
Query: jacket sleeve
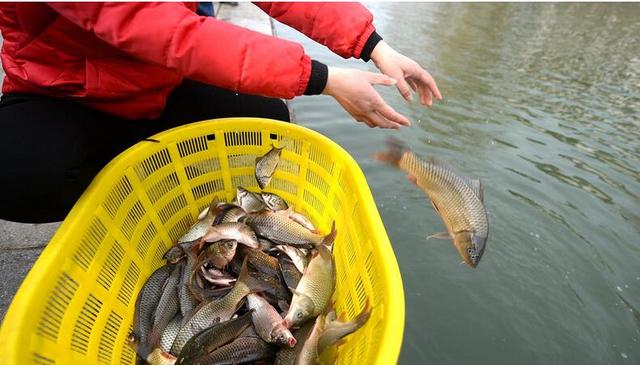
column 345, row 28
column 200, row 48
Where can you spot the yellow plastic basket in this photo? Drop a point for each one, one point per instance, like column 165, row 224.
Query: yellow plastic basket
column 76, row 305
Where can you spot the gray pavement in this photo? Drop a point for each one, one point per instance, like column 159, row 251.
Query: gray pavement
column 21, row 244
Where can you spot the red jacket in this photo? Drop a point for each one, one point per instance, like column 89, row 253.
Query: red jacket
column 126, row 58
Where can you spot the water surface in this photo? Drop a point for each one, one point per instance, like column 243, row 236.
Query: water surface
column 542, row 103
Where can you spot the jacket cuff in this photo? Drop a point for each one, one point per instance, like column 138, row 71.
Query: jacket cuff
column 317, row 79
column 372, row 42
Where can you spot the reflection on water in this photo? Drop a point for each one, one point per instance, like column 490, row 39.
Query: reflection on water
column 542, row 103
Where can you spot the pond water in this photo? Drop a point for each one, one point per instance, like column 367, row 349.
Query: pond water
column 542, row 103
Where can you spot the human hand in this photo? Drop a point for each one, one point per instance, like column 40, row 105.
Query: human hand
column 353, row 89
column 409, row 74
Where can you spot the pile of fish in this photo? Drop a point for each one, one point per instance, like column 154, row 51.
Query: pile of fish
column 250, row 282
column 458, row 199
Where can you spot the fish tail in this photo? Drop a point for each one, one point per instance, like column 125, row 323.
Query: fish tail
column 328, row 239
column 253, row 284
column 392, row 155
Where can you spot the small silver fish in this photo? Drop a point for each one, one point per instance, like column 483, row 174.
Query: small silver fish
column 266, row 166
column 249, row 201
column 274, row 201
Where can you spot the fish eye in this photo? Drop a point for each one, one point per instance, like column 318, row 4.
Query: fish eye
column 470, row 251
column 299, row 315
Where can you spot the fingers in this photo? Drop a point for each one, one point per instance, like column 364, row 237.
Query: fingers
column 431, row 84
column 382, row 122
column 381, row 79
column 387, row 112
column 413, row 85
column 404, row 89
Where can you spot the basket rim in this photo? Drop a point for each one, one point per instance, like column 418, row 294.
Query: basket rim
column 19, row 308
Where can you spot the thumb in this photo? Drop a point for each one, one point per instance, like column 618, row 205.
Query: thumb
column 381, row 79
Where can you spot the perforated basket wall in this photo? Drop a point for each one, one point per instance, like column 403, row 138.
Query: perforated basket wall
column 76, row 305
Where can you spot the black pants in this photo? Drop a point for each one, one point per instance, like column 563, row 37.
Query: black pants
column 50, row 149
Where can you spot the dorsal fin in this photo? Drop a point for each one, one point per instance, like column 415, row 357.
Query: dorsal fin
column 474, row 184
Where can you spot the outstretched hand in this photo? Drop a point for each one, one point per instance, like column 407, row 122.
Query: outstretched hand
column 408, row 73
column 353, row 89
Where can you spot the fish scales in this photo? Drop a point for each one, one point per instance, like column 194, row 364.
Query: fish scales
column 278, row 228
column 457, row 203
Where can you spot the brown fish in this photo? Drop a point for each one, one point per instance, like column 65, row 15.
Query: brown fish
column 326, row 331
column 218, row 310
column 266, row 166
column 458, row 199
column 280, row 229
column 312, row 295
column 231, row 231
column 268, row 323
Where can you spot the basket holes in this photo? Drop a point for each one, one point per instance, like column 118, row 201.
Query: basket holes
column 292, row 145
column 360, row 292
column 159, row 253
column 110, row 266
column 283, row 185
column 314, row 202
column 243, row 138
column 163, row 186
column 273, row 136
column 206, row 166
column 89, row 243
column 153, row 163
column 149, row 233
column 317, row 181
column 108, row 338
column 246, row 181
column 336, row 204
column 317, row 156
column 84, row 324
column 117, row 195
column 373, row 277
column 289, row 166
column 172, row 207
column 128, row 355
column 191, row 146
column 349, row 251
column 207, row 188
column 180, row 228
column 135, row 214
column 41, row 359
column 129, row 283
column 350, row 307
column 57, row 304
column 242, row 160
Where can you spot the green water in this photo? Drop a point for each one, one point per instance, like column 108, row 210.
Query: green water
column 542, row 103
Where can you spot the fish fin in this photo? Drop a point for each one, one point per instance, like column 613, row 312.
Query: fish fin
column 435, row 207
column 204, row 213
column 294, row 291
column 440, row 236
column 475, row 185
column 392, row 155
column 443, row 164
column 324, row 251
column 212, row 206
column 341, row 329
column 328, row 239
